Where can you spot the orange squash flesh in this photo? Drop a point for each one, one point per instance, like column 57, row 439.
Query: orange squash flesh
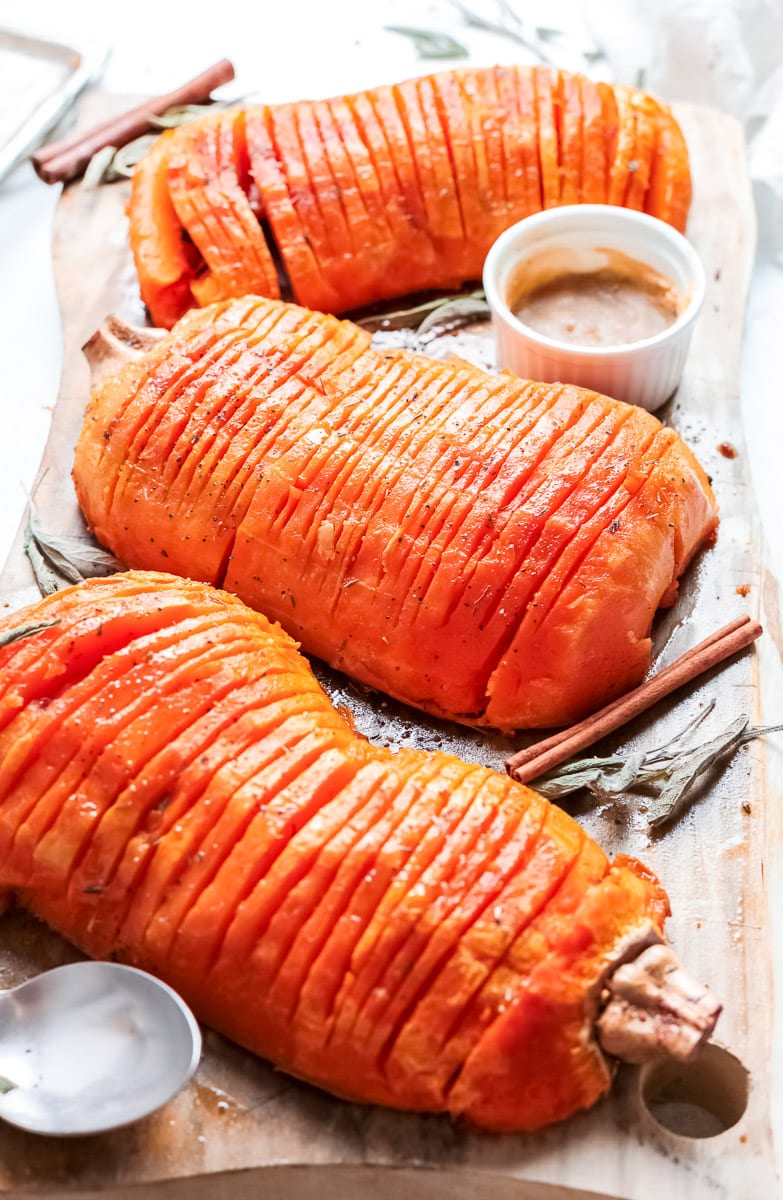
column 132, row 866
column 545, row 82
column 521, row 197
column 141, row 407
column 571, row 627
column 379, row 251
column 183, row 855
column 480, row 99
column 303, row 181
column 456, row 902
column 213, row 861
column 527, row 555
column 440, row 215
column 413, row 252
column 571, row 138
column 203, row 180
column 647, row 118
column 620, row 164
column 234, row 181
column 392, row 190
column 165, row 261
column 452, row 243
column 200, row 937
column 347, row 875
column 554, row 863
column 401, row 928
column 594, row 148
column 452, row 795
column 524, row 89
column 266, row 168
column 549, row 1009
column 325, row 995
column 137, row 806
column 477, row 219
column 396, row 513
column 86, row 756
column 670, row 190
column 26, row 742
column 152, row 377
column 400, row 153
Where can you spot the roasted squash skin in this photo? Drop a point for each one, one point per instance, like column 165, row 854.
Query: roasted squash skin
column 483, row 548
column 177, row 792
column 392, row 190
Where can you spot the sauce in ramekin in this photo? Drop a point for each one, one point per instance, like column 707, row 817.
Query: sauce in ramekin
column 619, row 302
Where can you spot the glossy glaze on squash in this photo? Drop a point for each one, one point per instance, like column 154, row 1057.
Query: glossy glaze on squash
column 178, row 793
column 481, row 547
column 392, row 190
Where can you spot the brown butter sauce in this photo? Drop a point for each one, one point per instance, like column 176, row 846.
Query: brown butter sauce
column 617, row 302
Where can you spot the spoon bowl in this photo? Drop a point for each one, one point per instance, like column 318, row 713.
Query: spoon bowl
column 92, row 1046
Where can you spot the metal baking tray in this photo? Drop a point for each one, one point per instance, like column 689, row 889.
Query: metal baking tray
column 40, row 81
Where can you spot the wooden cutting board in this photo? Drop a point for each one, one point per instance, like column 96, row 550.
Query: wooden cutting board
column 241, row 1129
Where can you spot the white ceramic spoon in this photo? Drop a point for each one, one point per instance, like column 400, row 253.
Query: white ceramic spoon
column 91, row 1046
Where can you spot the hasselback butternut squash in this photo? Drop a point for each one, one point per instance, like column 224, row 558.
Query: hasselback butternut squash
column 177, row 792
column 484, row 548
column 393, row 190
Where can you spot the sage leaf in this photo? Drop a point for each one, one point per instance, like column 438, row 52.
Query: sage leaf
column 548, row 34
column 45, row 577
column 126, row 158
column 670, row 770
column 182, row 114
column 6, row 1085
column 400, row 318
column 24, row 631
column 453, row 312
column 58, row 557
column 430, row 43
column 508, row 25
column 415, row 316
column 98, row 167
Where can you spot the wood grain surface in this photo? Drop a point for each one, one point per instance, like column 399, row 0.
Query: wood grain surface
column 241, row 1129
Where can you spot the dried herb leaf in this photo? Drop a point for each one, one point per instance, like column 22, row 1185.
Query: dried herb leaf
column 23, row 631
column 670, row 770
column 58, row 557
column 430, row 43
column 547, row 34
column 417, row 314
column 6, row 1085
column 454, row 312
column 401, row 318
column 509, row 25
column 98, row 167
column 181, row 114
column 128, row 156
column 47, row 580
column 535, row 38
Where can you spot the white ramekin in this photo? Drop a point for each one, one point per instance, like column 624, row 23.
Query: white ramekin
column 644, row 372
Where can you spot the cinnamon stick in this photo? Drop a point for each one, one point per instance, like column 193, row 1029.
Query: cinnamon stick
column 543, row 756
column 66, row 159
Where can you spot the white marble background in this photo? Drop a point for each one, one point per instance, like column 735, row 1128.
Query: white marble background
column 724, row 52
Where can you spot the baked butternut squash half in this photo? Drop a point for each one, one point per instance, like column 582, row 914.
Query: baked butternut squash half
column 393, row 190
column 177, row 792
column 481, row 547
